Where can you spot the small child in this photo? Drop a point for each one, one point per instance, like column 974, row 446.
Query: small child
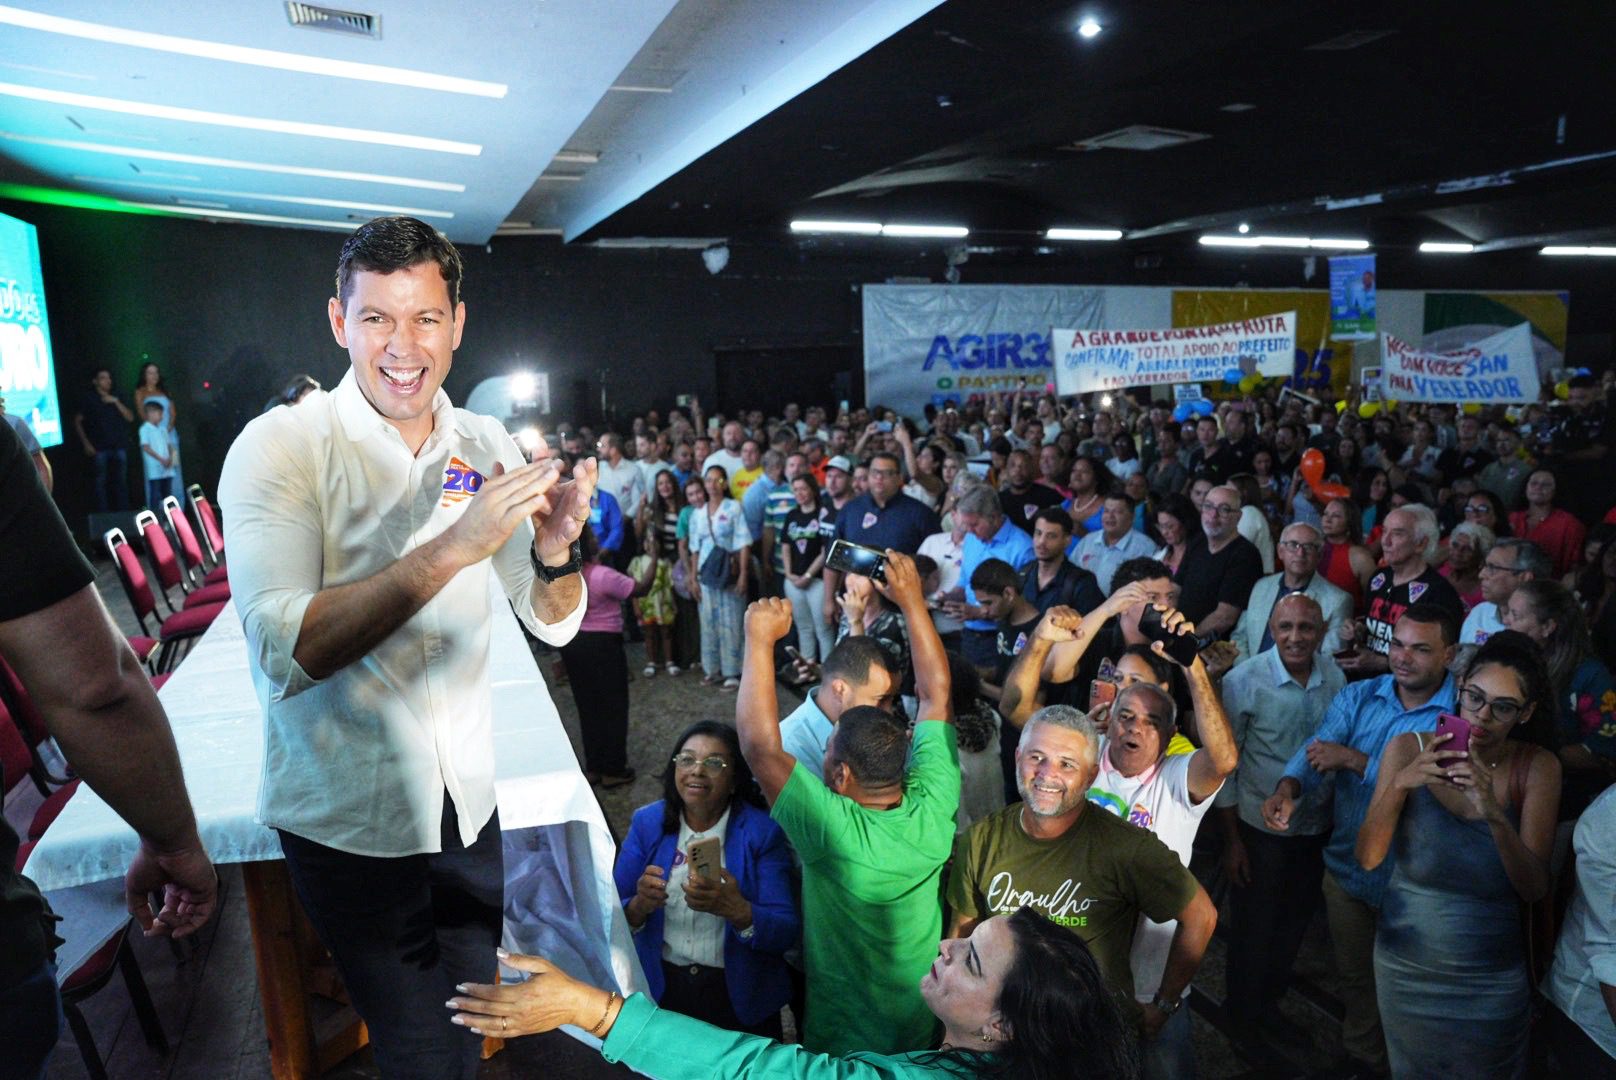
column 655, row 608
column 157, row 455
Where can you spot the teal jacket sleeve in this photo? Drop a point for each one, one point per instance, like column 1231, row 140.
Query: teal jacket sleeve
column 669, row 1046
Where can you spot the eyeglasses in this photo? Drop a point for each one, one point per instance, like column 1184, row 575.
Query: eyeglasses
column 883, row 472
column 714, row 764
column 1298, row 545
column 1504, row 710
column 1495, row 568
column 1480, row 508
column 1222, row 511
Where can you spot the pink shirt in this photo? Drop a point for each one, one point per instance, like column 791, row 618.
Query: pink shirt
column 607, row 591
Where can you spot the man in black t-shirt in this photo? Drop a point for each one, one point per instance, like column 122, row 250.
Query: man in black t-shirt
column 1408, row 542
column 57, row 635
column 1469, row 457
column 1020, row 497
column 1219, row 570
column 103, row 423
column 998, row 590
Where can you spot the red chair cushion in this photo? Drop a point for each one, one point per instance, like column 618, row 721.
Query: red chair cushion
column 157, row 681
column 216, row 575
column 15, row 757
column 96, row 966
column 143, row 646
column 50, row 808
column 189, row 622
column 209, row 594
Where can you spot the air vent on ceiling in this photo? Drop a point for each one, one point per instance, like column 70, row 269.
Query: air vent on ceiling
column 1352, row 39
column 1137, row 137
column 315, row 17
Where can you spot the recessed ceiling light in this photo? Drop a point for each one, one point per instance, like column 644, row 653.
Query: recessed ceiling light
column 240, row 215
column 1441, row 247
column 861, row 228
column 1212, row 240
column 1562, row 249
column 1244, row 228
column 1237, row 106
column 1089, row 28
column 301, row 200
column 250, row 123
column 241, row 54
column 1084, row 234
column 951, row 232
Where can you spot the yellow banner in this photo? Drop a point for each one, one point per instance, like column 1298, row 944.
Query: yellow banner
column 1323, row 367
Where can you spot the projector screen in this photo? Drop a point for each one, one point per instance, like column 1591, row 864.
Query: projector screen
column 27, row 373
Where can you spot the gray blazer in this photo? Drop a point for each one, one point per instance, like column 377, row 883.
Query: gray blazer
column 1248, row 632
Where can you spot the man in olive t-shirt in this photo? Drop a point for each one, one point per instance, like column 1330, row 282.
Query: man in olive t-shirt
column 1082, row 868
column 872, row 837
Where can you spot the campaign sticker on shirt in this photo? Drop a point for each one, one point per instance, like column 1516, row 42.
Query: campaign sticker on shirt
column 1021, row 643
column 678, row 858
column 802, row 547
column 1029, row 510
column 1416, row 589
column 1376, row 582
column 460, row 482
column 1482, row 636
column 870, row 519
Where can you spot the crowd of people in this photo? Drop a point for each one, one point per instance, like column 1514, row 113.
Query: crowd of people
column 1258, row 619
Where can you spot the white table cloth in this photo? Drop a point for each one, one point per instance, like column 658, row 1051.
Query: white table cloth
column 560, row 900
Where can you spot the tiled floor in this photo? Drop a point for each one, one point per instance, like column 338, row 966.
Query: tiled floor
column 208, row 998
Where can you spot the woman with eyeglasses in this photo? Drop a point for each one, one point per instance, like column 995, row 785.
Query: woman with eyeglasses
column 1468, row 546
column 1583, row 725
column 714, row 950
column 1472, row 832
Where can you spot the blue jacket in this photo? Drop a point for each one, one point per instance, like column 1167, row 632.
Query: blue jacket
column 606, row 518
column 756, row 853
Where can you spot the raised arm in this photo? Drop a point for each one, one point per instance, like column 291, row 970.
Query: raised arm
column 1219, row 754
column 757, row 706
column 1018, row 698
column 932, row 683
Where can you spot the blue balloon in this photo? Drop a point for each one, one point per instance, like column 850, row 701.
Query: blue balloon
column 1181, row 411
column 1202, row 407
column 1232, row 377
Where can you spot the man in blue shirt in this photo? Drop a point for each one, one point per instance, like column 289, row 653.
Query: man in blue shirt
column 989, row 535
column 1362, row 720
column 883, row 517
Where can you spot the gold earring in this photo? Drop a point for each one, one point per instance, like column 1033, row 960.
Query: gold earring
column 987, row 1037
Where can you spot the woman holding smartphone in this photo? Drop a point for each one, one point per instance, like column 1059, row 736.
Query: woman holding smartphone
column 718, row 531
column 804, row 551
column 1473, row 832
column 712, row 949
column 1020, row 998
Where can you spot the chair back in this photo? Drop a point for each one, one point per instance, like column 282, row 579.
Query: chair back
column 180, row 525
column 160, row 553
column 23, row 712
column 15, row 758
column 133, row 576
column 211, row 533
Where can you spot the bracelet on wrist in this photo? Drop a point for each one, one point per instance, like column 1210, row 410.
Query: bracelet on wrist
column 600, row 1025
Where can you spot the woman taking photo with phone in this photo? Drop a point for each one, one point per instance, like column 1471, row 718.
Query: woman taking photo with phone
column 712, row 949
column 1020, row 998
column 1472, row 833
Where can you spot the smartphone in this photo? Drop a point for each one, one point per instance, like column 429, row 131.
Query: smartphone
column 884, row 426
column 707, row 858
column 791, row 651
column 1101, row 692
column 1344, row 654
column 1181, row 647
column 1459, row 728
column 857, row 559
column 682, row 400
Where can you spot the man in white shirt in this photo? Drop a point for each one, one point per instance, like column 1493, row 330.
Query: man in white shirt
column 620, row 476
column 729, row 455
column 363, row 527
column 1100, row 553
column 1510, row 563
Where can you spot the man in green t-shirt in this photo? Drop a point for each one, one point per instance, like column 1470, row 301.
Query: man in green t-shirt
column 872, row 837
column 1083, row 868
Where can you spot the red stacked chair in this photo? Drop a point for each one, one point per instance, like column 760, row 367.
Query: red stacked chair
column 207, row 524
column 175, row 634
column 190, row 549
column 168, row 572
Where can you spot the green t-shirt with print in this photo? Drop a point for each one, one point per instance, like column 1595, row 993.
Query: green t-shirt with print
column 1095, row 880
column 871, row 917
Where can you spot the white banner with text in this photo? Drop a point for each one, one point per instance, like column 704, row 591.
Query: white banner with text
column 1501, row 368
column 1090, row 360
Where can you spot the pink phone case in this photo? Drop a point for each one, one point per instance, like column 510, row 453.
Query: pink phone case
column 1459, row 728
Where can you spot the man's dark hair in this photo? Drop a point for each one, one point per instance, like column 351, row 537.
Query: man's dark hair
column 387, row 244
column 1054, row 515
column 1140, row 569
column 852, row 659
column 1118, row 495
column 995, row 576
column 1000, row 445
column 150, row 405
column 880, row 455
column 1435, row 613
column 873, row 744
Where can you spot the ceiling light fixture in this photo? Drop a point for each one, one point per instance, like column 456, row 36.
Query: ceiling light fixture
column 1083, row 234
column 1563, row 249
column 250, row 123
column 860, row 228
column 300, row 200
column 1442, row 247
column 241, row 54
column 949, row 232
column 1244, row 228
column 1327, row 243
column 242, row 215
column 1089, row 28
column 233, row 163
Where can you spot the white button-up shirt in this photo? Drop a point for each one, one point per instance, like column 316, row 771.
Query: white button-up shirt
column 326, row 493
column 690, row 936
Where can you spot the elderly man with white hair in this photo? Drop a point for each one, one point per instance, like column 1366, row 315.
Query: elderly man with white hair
column 1220, row 568
column 1299, row 548
column 1409, row 545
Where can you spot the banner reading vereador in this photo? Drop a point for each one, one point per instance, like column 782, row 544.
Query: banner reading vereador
column 1089, row 360
column 1500, row 368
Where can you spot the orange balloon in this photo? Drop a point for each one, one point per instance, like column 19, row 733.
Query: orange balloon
column 1313, row 467
column 1332, row 491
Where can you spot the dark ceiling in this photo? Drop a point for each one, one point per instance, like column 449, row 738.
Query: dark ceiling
column 1484, row 122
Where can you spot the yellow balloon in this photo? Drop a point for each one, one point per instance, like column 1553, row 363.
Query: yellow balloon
column 1390, row 404
column 1562, row 390
column 1340, row 406
column 1248, row 384
column 1472, row 408
column 1368, row 409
